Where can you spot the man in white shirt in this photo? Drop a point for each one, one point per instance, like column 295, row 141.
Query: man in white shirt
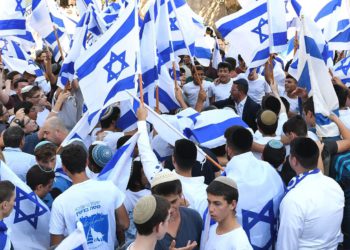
column 191, row 89
column 227, row 233
column 291, row 85
column 18, row 161
column 312, row 210
column 222, row 88
column 98, row 205
column 259, row 185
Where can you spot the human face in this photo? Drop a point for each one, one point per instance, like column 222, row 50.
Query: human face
column 219, row 208
column 33, row 113
column 224, row 75
column 235, row 93
column 187, row 59
column 8, row 205
column 163, row 228
column 42, row 190
column 29, row 125
column 38, row 98
column 175, row 201
column 200, row 74
column 252, row 75
column 290, row 85
column 49, row 163
column 21, row 85
column 42, row 57
column 50, row 134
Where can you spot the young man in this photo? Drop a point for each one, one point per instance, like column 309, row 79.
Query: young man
column 151, row 218
column 221, row 90
column 227, row 233
column 97, row 204
column 313, row 203
column 7, row 201
column 40, row 180
column 185, row 224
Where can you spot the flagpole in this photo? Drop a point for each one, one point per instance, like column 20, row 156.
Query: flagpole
column 295, row 40
column 157, row 99
column 214, row 162
column 58, row 42
column 174, row 71
column 141, row 88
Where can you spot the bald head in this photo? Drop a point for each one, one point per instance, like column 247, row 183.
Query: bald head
column 54, row 130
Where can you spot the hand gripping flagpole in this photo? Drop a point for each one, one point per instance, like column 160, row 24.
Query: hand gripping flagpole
column 58, row 42
column 295, row 43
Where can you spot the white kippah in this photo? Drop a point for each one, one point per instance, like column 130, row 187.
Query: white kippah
column 164, row 176
column 144, row 209
column 226, row 180
column 26, row 89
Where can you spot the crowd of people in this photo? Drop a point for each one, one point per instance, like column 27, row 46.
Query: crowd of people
column 280, row 186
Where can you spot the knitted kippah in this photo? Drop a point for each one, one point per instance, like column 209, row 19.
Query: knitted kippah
column 42, row 143
column 26, row 89
column 226, row 180
column 144, row 209
column 164, row 176
column 268, row 117
column 275, row 144
column 101, row 154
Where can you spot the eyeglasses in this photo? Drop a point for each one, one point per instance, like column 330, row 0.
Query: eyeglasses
column 39, row 96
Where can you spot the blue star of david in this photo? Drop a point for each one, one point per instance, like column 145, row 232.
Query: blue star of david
column 173, row 23
column 258, row 30
column 4, row 48
column 114, row 58
column 344, row 67
column 250, row 219
column 19, row 7
column 21, row 215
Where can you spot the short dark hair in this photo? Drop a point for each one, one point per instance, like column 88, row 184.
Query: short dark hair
column 122, row 140
column 218, row 188
column 289, row 76
column 31, row 92
column 242, row 85
column 11, row 74
column 13, row 137
column 45, row 152
column 36, row 176
column 185, row 154
column 159, row 216
column 239, row 139
column 167, row 188
column 274, row 156
column 6, row 190
column 240, row 58
column 135, row 183
column 223, row 65
column 106, row 122
column 306, row 151
column 272, row 103
column 342, row 95
column 266, row 129
column 25, row 105
column 285, row 103
column 74, row 158
column 295, row 124
column 15, row 83
column 308, row 105
column 231, row 61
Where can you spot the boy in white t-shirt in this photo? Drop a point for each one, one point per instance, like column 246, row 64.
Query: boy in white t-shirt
column 151, row 218
column 227, row 233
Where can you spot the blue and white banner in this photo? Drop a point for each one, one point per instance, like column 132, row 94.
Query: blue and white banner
column 28, row 222
column 254, row 26
column 108, row 67
column 118, row 169
column 75, row 241
column 12, row 20
column 203, row 51
column 342, row 70
column 313, row 75
column 128, row 119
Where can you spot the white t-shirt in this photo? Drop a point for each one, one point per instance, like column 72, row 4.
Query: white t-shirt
column 234, row 240
column 344, row 115
column 293, row 103
column 191, row 90
column 41, row 118
column 257, row 89
column 222, row 91
column 93, row 203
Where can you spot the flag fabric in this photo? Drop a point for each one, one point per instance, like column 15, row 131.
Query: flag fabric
column 341, row 41
column 75, row 241
column 254, row 26
column 12, row 20
column 342, row 70
column 217, row 58
column 203, row 51
column 28, row 222
column 246, row 3
column 26, row 41
column 118, row 169
column 108, row 67
column 313, row 75
column 127, row 120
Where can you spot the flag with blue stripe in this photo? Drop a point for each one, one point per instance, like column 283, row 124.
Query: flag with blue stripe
column 108, row 67
column 118, row 169
column 203, row 51
column 76, row 240
column 128, row 119
column 259, row 33
column 12, row 19
column 26, row 41
column 29, row 218
column 313, row 75
column 342, row 70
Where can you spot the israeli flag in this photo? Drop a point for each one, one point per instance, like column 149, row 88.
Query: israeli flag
column 341, row 41
column 79, row 44
column 118, row 169
column 26, row 41
column 217, row 58
column 28, row 222
column 261, row 30
column 108, row 67
column 342, row 70
column 128, row 119
column 76, row 240
column 313, row 75
column 82, row 5
column 203, row 51
column 12, row 20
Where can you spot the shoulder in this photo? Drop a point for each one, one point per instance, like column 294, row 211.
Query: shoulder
column 190, row 214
